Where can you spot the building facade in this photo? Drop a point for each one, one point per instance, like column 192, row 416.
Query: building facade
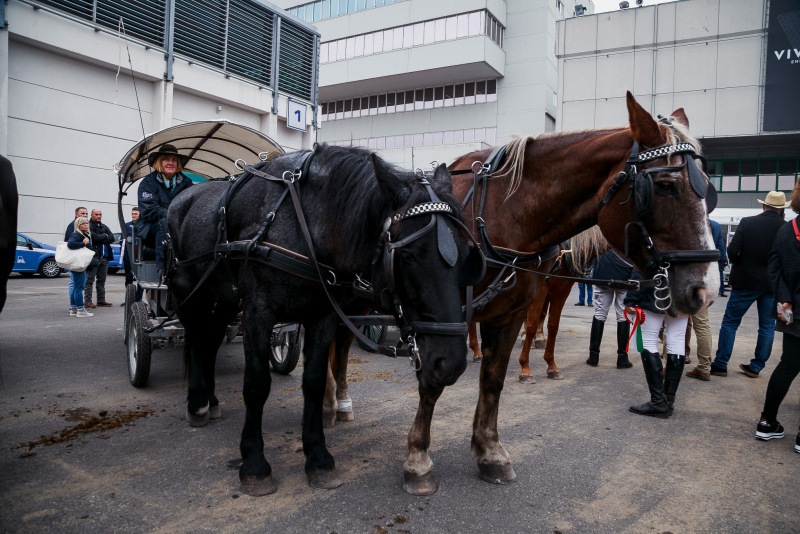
column 733, row 65
column 82, row 82
column 425, row 80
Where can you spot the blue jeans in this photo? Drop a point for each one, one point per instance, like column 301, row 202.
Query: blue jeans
column 76, row 282
column 584, row 289
column 739, row 302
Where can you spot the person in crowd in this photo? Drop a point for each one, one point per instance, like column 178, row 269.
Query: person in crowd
column 584, row 291
column 662, row 382
column 784, row 275
column 719, row 242
column 126, row 261
column 748, row 253
column 156, row 192
column 610, row 266
column 80, row 238
column 79, row 212
column 102, row 238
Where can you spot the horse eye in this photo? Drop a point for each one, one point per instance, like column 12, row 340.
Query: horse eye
column 665, row 187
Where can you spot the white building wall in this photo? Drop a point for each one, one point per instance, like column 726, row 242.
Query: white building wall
column 72, row 112
column 703, row 55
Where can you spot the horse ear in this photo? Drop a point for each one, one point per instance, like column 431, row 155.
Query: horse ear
column 680, row 116
column 643, row 126
column 395, row 189
column 442, row 178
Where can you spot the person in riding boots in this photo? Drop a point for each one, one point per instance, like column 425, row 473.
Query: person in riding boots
column 610, row 267
column 156, row 192
column 662, row 386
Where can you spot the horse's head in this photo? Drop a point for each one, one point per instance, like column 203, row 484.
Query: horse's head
column 425, row 261
column 655, row 211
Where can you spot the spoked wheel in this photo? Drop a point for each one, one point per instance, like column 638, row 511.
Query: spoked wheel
column 130, row 298
column 140, row 346
column 374, row 332
column 285, row 350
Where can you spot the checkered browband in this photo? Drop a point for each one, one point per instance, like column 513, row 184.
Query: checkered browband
column 425, row 207
column 662, row 151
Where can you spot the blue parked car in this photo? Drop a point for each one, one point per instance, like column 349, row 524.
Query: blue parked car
column 118, row 263
column 35, row 257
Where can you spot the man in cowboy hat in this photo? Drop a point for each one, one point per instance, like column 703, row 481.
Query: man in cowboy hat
column 748, row 253
column 156, row 192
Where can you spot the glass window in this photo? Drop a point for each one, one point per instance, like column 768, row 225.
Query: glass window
column 419, row 34
column 359, row 46
column 429, row 98
column 463, row 26
column 408, row 36
column 361, row 5
column 370, row 4
column 401, row 98
column 317, row 11
column 749, row 167
column 364, row 103
column 768, row 166
column 439, row 30
column 438, row 93
column 469, row 135
column 380, row 143
column 419, row 139
column 475, row 23
column 348, row 105
column 437, row 138
column 491, row 136
column 730, row 168
column 343, row 7
column 409, row 100
column 480, row 91
column 341, row 47
column 373, row 102
column 458, row 136
column 339, row 106
column 397, row 38
column 377, row 42
column 459, row 90
column 334, row 8
column 429, row 32
column 451, row 27
column 787, row 166
column 390, row 99
column 427, row 139
column 351, row 6
column 356, row 104
column 381, row 101
column 326, row 9
column 448, row 95
column 383, row 41
column 491, row 87
column 379, row 3
column 390, row 142
column 447, row 137
column 324, row 108
column 469, row 89
column 408, row 140
column 323, row 53
column 368, row 44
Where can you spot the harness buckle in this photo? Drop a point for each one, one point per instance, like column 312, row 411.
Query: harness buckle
column 332, row 280
column 413, row 353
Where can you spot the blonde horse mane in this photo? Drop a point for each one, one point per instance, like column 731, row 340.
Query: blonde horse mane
column 585, row 247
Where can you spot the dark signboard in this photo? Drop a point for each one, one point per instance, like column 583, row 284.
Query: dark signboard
column 782, row 91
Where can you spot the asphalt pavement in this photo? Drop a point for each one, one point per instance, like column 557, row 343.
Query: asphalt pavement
column 81, row 450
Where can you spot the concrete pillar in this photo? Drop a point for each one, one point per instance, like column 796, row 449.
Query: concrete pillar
column 162, row 105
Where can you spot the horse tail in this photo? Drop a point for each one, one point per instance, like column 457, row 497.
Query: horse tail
column 514, row 162
column 585, row 247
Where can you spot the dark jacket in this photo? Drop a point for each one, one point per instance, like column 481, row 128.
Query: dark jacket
column 784, row 275
column 645, row 298
column 75, row 241
column 610, row 266
column 102, row 237
column 70, row 230
column 155, row 198
column 719, row 241
column 749, row 250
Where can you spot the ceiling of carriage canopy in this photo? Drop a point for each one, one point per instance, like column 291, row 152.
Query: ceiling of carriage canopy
column 212, row 146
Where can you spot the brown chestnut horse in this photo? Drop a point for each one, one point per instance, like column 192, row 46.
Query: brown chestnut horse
column 640, row 184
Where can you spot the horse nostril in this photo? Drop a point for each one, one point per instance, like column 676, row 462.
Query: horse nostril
column 701, row 294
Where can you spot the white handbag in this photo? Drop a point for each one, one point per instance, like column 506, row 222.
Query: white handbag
column 77, row 259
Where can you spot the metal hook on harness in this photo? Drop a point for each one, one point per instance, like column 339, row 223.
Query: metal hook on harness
column 241, row 165
column 291, row 176
column 663, row 296
column 413, row 353
column 482, row 167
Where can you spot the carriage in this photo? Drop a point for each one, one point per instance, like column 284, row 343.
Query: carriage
column 217, row 150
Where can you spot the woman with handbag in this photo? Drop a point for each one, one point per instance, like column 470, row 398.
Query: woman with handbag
column 80, row 238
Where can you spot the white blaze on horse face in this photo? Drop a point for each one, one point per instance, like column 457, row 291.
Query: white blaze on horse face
column 711, row 278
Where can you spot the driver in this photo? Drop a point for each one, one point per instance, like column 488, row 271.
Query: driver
column 156, row 193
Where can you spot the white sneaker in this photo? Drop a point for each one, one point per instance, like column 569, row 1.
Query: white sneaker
column 83, row 313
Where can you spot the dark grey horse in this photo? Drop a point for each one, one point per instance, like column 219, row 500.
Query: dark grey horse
column 375, row 230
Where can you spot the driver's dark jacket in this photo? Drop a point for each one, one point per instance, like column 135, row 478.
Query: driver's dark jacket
column 154, row 199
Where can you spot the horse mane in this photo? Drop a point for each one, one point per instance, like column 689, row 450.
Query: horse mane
column 364, row 205
column 585, row 247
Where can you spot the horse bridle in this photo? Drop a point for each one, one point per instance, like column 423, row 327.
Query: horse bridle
column 642, row 191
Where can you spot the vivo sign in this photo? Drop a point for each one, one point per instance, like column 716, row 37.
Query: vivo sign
column 781, row 105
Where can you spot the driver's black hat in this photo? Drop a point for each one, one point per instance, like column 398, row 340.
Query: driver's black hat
column 164, row 150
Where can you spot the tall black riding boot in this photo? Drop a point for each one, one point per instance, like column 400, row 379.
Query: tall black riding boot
column 594, row 341
column 623, row 331
column 657, row 407
column 675, row 364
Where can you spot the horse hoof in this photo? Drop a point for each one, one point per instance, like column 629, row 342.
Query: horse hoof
column 257, row 487
column 554, row 375
column 539, row 344
column 344, row 416
column 197, row 420
column 324, row 479
column 420, row 484
column 214, row 412
column 328, row 420
column 477, row 358
column 497, row 474
column 526, row 379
